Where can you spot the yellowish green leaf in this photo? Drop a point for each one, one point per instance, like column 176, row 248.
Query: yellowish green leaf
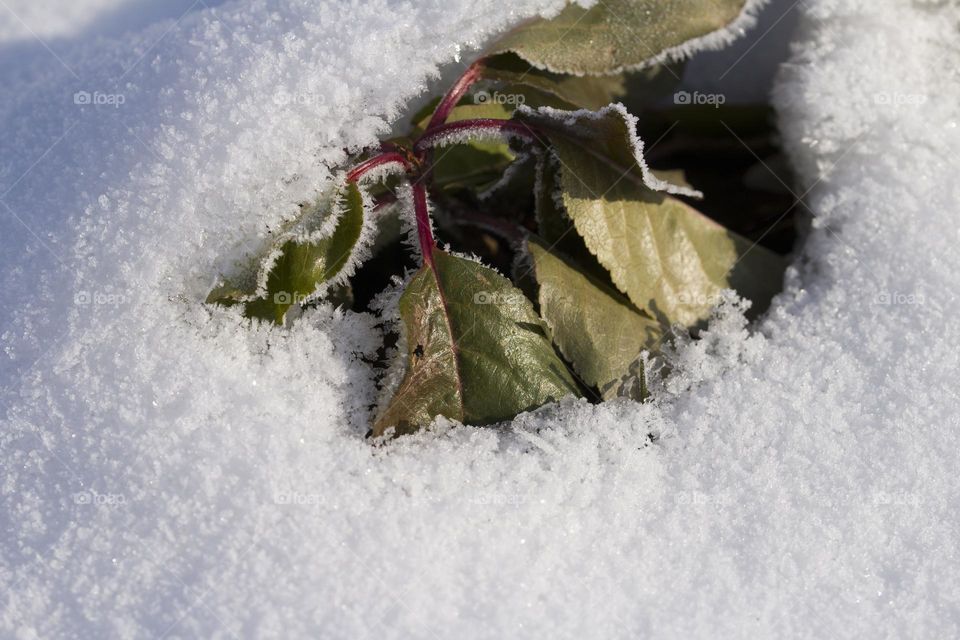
column 671, row 260
column 615, row 35
column 598, row 331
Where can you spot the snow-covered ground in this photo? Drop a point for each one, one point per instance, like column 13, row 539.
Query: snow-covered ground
column 167, row 472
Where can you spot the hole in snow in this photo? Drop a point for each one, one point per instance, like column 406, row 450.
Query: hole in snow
column 707, row 124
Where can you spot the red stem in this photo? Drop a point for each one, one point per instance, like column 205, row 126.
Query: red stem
column 384, row 158
column 423, row 221
column 436, row 129
column 432, row 136
column 452, row 97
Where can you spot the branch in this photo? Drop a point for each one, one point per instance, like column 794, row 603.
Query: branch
column 385, row 158
column 424, row 234
column 452, row 97
column 460, row 132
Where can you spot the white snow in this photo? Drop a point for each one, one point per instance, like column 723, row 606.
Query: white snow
column 169, row 472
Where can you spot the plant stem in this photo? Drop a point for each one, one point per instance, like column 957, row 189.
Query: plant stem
column 436, row 130
column 423, row 221
column 388, row 157
column 434, row 136
column 452, row 97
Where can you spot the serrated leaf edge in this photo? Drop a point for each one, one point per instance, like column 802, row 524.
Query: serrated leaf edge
column 712, row 41
column 298, row 232
column 569, row 119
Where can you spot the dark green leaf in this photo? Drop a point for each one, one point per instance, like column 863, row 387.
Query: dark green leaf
column 607, row 137
column 483, row 108
column 476, row 350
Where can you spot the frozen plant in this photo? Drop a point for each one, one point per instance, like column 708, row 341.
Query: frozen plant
column 541, row 172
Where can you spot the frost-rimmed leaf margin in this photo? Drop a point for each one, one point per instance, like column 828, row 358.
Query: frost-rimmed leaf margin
column 585, row 128
column 558, row 54
column 312, row 255
column 598, row 331
column 671, row 260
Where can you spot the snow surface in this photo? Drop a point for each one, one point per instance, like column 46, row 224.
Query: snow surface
column 168, row 472
column 53, row 25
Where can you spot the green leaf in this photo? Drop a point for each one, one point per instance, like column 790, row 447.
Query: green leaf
column 672, row 176
column 517, row 76
column 607, row 137
column 615, row 35
column 598, row 331
column 554, row 225
column 671, row 260
column 516, row 80
column 476, row 350
column 300, row 263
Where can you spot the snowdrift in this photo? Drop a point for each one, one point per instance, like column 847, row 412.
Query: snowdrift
column 168, row 472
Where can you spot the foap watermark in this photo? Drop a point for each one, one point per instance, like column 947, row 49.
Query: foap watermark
column 99, row 99
column 91, row 497
column 897, row 499
column 297, row 499
column 501, row 499
column 701, row 498
column 895, row 299
column 498, row 298
column 290, row 297
column 496, row 97
column 895, row 99
column 100, row 298
column 685, row 98
column 286, row 99
column 687, row 298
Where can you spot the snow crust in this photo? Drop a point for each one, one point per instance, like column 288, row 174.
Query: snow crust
column 168, row 471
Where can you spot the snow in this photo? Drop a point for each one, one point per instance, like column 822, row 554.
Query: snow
column 26, row 20
column 169, row 472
